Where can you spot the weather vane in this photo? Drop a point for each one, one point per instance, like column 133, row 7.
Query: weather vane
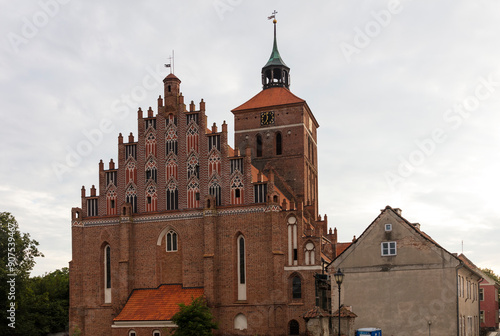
column 171, row 63
column 273, row 16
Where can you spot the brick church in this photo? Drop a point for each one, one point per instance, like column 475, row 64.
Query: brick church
column 183, row 214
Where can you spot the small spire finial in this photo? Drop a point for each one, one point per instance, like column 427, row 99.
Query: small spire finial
column 170, row 64
column 273, row 16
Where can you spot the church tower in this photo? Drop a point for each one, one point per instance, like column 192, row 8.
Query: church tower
column 280, row 130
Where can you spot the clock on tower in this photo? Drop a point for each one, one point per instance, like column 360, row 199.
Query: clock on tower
column 267, row 118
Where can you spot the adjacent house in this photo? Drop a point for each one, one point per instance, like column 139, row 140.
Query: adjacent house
column 399, row 279
column 488, row 298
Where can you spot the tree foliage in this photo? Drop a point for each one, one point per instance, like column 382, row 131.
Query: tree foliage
column 194, row 319
column 17, row 258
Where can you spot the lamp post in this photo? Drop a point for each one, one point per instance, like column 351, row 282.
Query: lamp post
column 429, row 327
column 339, row 277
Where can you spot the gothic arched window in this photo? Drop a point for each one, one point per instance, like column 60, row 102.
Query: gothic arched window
column 279, row 149
column 241, row 260
column 259, row 145
column 107, row 274
column 171, row 241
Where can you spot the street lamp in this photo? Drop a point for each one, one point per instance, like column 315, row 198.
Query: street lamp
column 339, row 277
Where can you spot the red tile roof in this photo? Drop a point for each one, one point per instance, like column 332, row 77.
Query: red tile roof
column 344, row 312
column 270, row 97
column 315, row 312
column 341, row 247
column 157, row 304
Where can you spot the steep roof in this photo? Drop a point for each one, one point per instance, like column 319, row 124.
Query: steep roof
column 157, row 304
column 413, row 227
column 274, row 96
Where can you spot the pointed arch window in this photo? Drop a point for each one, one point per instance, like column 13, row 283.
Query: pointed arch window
column 258, row 142
column 151, row 144
column 193, row 189
column 131, row 197
column 107, row 274
column 237, row 190
column 151, row 170
column 193, row 167
column 296, row 287
column 111, row 208
column 151, row 198
column 215, row 191
column 171, row 241
column 292, row 241
column 279, row 149
column 172, row 196
column 131, row 172
column 241, row 259
column 171, row 139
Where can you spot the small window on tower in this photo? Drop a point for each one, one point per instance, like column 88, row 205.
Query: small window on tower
column 169, row 88
column 237, row 193
column 112, row 204
column 149, row 199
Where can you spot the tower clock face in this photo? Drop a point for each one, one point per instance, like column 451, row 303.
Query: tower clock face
column 267, row 118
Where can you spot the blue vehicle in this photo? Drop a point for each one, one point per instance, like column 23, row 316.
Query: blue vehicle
column 369, row 331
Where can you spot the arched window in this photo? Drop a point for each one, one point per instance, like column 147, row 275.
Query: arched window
column 309, row 252
column 259, row 145
column 279, row 150
column 156, row 333
column 107, row 274
column 242, row 287
column 131, row 197
column 292, row 241
column 132, row 333
column 240, row 322
column 171, row 241
column 215, row 191
column 172, row 196
column 296, row 287
column 294, row 327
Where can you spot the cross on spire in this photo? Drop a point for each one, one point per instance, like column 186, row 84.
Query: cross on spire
column 171, row 63
column 273, row 16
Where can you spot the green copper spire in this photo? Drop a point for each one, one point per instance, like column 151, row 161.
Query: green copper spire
column 275, row 58
column 275, row 73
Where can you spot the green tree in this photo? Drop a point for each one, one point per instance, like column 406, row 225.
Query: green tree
column 17, row 258
column 194, row 319
column 47, row 297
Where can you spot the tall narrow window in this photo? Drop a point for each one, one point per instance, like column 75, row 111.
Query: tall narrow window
column 107, row 274
column 259, row 145
column 296, row 287
column 172, row 196
column 278, row 144
column 242, row 288
column 292, row 241
column 309, row 253
column 171, row 238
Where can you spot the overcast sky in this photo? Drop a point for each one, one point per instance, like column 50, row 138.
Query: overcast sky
column 406, row 93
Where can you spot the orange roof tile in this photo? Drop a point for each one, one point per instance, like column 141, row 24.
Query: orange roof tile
column 341, row 247
column 157, row 304
column 270, row 97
